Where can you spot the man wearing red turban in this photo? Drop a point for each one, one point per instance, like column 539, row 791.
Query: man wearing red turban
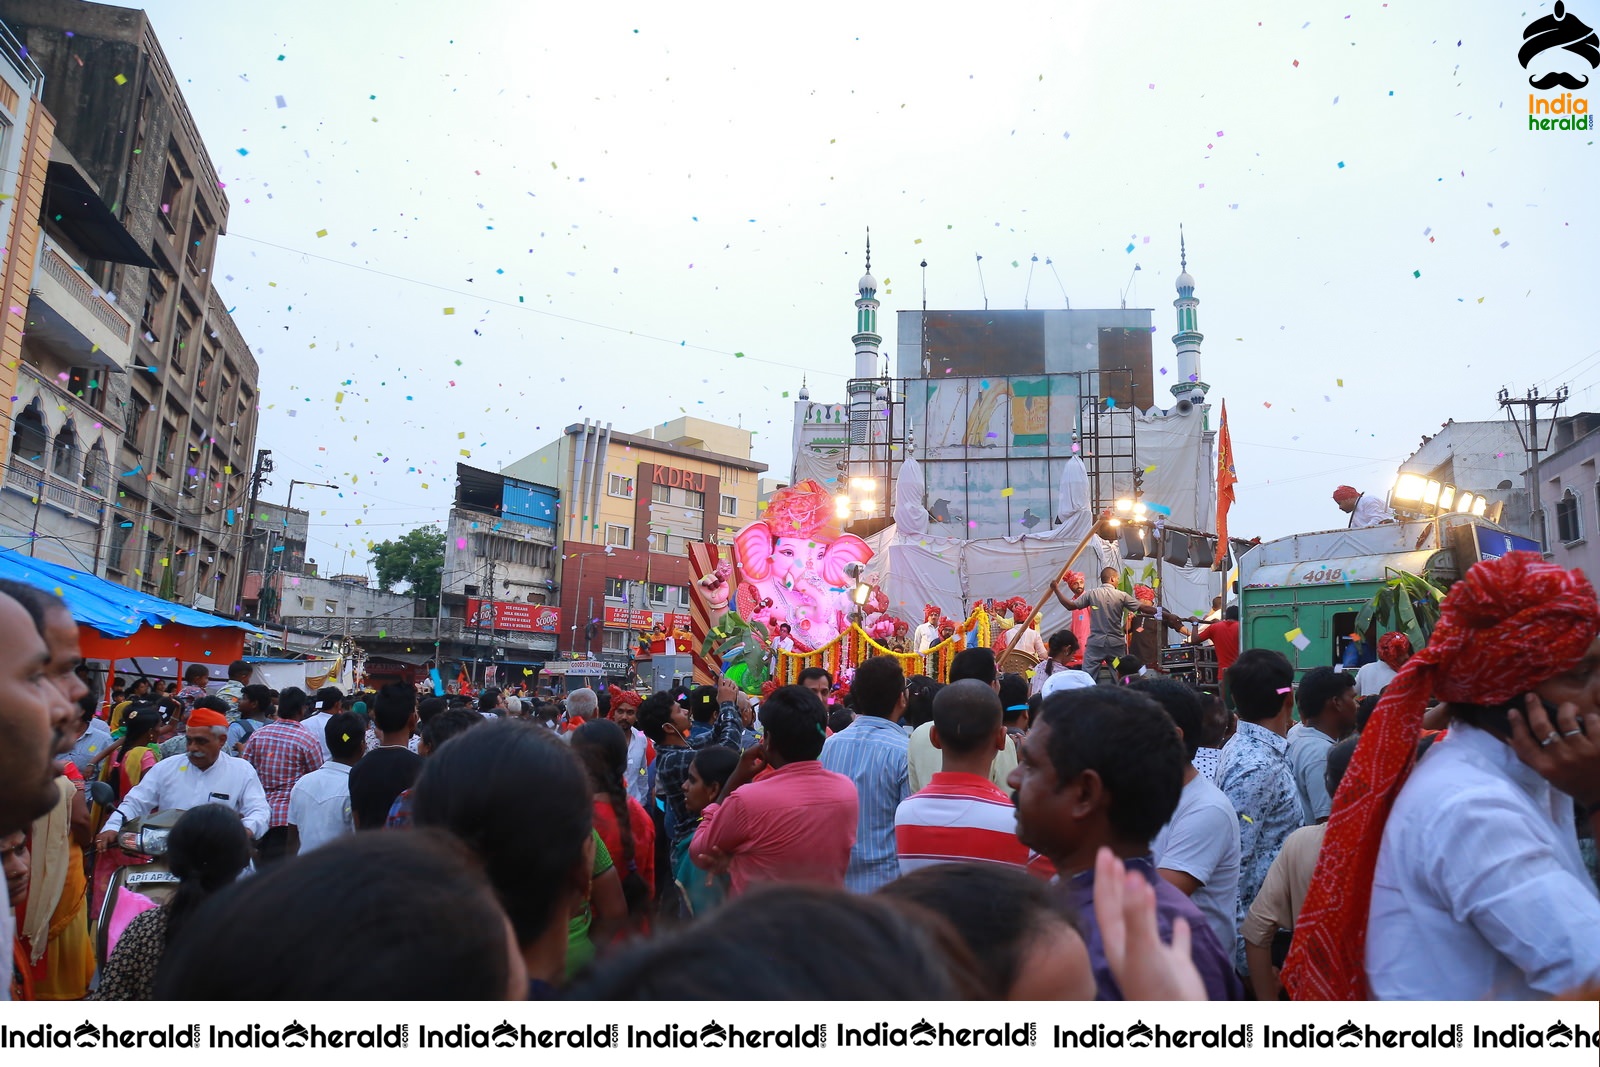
column 1461, row 879
column 1394, row 648
column 204, row 774
column 1363, row 510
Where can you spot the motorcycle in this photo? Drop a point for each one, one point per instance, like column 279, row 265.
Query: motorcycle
column 151, row 878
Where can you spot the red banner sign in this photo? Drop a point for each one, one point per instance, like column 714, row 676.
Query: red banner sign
column 510, row 615
column 643, row 621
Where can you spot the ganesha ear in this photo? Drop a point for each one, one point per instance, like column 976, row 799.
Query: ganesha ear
column 847, row 549
column 752, row 547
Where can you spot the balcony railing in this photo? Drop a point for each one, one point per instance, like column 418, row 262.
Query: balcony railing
column 90, row 295
column 32, row 481
column 405, row 629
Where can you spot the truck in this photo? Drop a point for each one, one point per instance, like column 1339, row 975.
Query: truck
column 1301, row 595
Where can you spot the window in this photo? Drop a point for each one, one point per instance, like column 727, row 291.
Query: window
column 616, row 589
column 619, row 485
column 1568, row 526
column 87, row 385
column 96, row 471
column 138, row 408
column 152, row 552
column 619, row 536
column 330, row 606
column 308, row 603
column 694, row 498
column 661, row 543
column 615, row 640
column 164, row 445
column 28, row 440
column 155, row 297
column 730, row 504
column 121, row 530
column 660, row 494
column 64, row 457
column 658, row 594
column 171, row 192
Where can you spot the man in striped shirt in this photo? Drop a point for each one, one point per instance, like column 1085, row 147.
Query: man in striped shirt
column 872, row 753
column 961, row 816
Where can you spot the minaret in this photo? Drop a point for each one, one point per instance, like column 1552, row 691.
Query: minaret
column 1188, row 386
column 867, row 341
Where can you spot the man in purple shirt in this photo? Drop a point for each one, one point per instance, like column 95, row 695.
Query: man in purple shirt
column 1102, row 767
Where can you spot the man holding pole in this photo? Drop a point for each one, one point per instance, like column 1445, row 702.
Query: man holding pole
column 1107, row 606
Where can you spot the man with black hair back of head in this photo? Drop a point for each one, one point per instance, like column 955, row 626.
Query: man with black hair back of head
column 196, row 676
column 436, row 731
column 924, row 760
column 321, row 706
column 872, row 753
column 961, row 816
column 798, row 824
column 1254, row 770
column 380, row 775
column 1328, row 706
column 1102, row 769
column 255, row 711
column 1277, row 905
column 1198, row 849
column 239, row 672
column 319, row 803
column 282, row 752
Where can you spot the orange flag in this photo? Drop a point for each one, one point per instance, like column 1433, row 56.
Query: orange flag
column 1226, row 476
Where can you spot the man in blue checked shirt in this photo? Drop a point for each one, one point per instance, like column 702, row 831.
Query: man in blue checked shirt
column 872, row 752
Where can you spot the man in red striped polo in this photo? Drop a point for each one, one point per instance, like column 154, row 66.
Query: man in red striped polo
column 961, row 816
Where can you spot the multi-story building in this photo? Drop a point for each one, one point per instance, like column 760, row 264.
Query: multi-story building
column 187, row 407
column 633, row 503
column 500, row 564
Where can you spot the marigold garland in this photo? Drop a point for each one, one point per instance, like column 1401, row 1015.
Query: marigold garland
column 855, row 644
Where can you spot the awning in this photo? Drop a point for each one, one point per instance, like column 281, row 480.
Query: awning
column 116, row 622
column 75, row 207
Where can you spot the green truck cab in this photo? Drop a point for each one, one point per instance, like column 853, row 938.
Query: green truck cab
column 1301, row 595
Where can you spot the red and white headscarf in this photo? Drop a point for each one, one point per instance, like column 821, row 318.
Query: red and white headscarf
column 1508, row 625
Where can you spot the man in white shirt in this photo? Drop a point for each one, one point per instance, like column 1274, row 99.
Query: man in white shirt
column 319, row 803
column 1394, row 648
column 625, row 713
column 1198, row 850
column 1465, row 875
column 204, row 774
column 926, row 635
column 324, row 706
column 1363, row 510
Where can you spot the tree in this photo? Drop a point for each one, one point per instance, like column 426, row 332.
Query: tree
column 417, row 559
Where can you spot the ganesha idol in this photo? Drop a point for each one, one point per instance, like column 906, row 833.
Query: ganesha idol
column 792, row 566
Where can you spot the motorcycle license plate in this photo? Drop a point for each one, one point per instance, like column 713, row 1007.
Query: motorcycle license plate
column 150, row 878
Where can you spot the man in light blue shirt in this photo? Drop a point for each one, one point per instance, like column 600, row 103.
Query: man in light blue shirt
column 872, row 753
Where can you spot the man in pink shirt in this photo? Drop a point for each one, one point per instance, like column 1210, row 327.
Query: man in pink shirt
column 798, row 823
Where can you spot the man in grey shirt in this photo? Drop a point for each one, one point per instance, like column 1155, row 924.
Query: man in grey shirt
column 1327, row 700
column 1108, row 606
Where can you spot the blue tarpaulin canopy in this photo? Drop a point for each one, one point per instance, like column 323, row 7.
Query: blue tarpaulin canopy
column 111, row 610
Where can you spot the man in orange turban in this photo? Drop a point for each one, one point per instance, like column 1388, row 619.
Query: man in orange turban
column 1458, row 877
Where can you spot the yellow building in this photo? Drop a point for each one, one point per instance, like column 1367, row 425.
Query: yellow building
column 631, row 504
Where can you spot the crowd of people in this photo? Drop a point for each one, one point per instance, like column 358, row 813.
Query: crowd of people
column 1046, row 834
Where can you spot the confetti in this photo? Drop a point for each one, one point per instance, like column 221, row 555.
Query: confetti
column 449, row 311
column 121, row 79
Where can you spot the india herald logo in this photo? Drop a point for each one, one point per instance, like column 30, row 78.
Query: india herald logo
column 1559, row 31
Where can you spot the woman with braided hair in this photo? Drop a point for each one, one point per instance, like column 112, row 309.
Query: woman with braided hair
column 1458, row 877
column 623, row 824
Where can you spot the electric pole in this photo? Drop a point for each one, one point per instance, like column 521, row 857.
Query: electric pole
column 1533, row 445
column 258, row 478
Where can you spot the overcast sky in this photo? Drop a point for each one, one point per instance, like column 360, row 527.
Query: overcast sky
column 617, row 200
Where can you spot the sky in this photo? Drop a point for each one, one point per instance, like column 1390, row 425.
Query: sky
column 455, row 230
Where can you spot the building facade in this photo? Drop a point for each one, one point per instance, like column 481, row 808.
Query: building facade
column 500, row 570
column 633, row 503
column 1485, row 459
column 187, row 407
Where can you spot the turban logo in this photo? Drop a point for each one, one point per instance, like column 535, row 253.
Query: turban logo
column 1559, row 31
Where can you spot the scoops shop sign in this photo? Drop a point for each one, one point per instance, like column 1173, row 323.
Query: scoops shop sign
column 510, row 615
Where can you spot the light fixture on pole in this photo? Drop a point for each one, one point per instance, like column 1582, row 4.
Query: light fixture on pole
column 860, row 593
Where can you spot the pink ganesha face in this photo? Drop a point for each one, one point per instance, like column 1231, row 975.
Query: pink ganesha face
column 796, row 559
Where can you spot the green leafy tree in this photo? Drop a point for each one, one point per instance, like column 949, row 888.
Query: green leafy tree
column 417, row 559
